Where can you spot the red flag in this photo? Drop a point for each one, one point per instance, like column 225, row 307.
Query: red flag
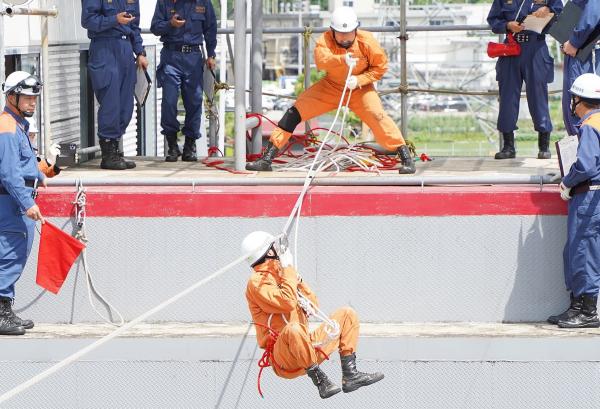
column 58, row 251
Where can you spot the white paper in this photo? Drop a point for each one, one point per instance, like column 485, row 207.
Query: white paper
column 537, row 24
column 567, row 152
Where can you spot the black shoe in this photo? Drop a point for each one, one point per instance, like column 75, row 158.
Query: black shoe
column 189, row 150
column 264, row 163
column 173, row 151
column 587, row 317
column 353, row 379
column 129, row 163
column 508, row 147
column 326, row 388
column 408, row 163
column 544, row 145
column 573, row 310
column 110, row 155
column 8, row 326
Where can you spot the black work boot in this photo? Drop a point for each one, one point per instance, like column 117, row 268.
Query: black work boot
column 8, row 326
column 587, row 317
column 264, row 163
column 189, row 150
column 173, row 148
column 573, row 310
column 544, row 145
column 7, row 304
column 353, row 379
column 508, row 148
column 129, row 163
column 326, row 388
column 408, row 163
column 110, row 155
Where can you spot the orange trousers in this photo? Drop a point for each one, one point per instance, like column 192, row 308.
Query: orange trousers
column 294, row 350
column 324, row 96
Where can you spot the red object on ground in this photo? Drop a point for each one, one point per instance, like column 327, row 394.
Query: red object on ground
column 425, row 158
column 58, row 251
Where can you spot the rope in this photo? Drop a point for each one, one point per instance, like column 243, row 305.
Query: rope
column 80, row 234
column 120, row 330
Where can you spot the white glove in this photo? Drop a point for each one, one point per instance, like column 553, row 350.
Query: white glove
column 352, row 82
column 351, row 61
column 286, row 258
column 564, row 192
column 53, row 152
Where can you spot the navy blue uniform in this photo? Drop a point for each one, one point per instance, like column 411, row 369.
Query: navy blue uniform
column 18, row 172
column 573, row 67
column 534, row 66
column 582, row 250
column 111, row 64
column 181, row 61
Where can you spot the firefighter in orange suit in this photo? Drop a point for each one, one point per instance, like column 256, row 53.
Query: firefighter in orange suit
column 48, row 164
column 275, row 294
column 337, row 51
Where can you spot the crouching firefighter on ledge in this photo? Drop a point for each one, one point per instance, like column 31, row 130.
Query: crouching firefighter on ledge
column 280, row 304
column 344, row 47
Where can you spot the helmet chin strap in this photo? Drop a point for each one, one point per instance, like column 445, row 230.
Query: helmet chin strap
column 345, row 45
column 24, row 114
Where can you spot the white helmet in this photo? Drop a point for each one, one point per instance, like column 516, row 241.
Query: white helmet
column 587, row 86
column 344, row 20
column 22, row 83
column 256, row 244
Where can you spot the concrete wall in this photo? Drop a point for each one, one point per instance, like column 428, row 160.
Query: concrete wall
column 471, row 268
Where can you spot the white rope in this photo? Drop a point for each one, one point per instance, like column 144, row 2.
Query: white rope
column 80, row 219
column 84, row 351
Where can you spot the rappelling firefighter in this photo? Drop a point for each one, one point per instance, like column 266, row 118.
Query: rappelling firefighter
column 280, row 303
column 342, row 48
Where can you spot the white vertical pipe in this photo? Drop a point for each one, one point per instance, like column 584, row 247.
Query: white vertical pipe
column 46, row 81
column 223, row 76
column 240, row 84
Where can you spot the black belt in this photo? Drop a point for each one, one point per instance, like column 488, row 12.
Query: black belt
column 523, row 38
column 183, row 48
column 584, row 187
column 28, row 183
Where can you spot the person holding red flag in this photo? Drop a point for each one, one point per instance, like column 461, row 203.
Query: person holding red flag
column 19, row 177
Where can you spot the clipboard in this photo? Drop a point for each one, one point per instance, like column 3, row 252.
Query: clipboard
column 537, row 24
column 143, row 84
column 566, row 150
column 566, row 23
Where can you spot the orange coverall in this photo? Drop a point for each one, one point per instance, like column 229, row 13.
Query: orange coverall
column 325, row 94
column 272, row 296
column 49, row 170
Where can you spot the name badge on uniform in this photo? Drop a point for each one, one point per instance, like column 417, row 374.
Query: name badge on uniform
column 131, row 1
column 173, row 11
column 109, row 1
column 200, row 9
column 543, row 2
column 509, row 2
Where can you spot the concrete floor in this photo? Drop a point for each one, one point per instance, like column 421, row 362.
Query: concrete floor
column 148, row 167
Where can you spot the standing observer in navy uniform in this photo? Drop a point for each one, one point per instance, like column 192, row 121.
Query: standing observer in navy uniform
column 19, row 176
column 116, row 46
column 534, row 66
column 588, row 23
column 182, row 26
column 581, row 187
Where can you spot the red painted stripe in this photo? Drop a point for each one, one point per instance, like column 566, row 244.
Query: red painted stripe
column 320, row 201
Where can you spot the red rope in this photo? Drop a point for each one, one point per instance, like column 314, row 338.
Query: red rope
column 268, row 358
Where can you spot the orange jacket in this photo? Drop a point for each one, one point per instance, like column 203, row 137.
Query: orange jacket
column 47, row 169
column 372, row 60
column 272, row 292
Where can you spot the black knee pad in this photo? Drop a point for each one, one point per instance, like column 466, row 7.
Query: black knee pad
column 290, row 120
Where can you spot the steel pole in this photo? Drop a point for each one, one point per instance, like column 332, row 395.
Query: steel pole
column 403, row 71
column 46, row 81
column 306, row 47
column 240, row 84
column 256, row 73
